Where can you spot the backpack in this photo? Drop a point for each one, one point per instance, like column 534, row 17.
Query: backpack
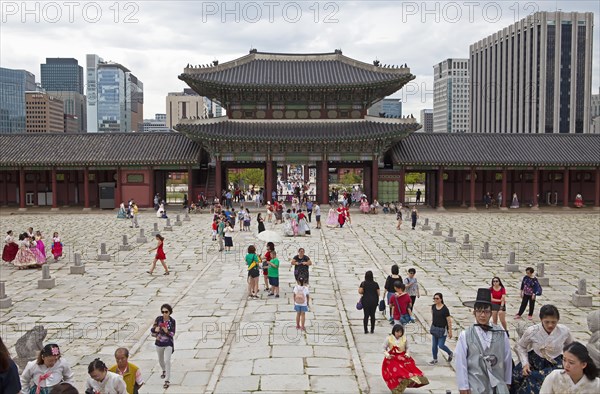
column 299, row 297
column 537, row 288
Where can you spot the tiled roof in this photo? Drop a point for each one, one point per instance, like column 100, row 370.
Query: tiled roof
column 498, row 149
column 268, row 70
column 97, row 149
column 297, row 131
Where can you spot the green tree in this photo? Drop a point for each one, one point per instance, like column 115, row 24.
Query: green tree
column 350, row 178
column 253, row 176
column 413, row 178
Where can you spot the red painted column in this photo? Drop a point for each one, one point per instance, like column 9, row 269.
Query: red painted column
column 402, row 186
column 218, row 177
column 440, row 188
column 86, row 188
column 54, row 189
column 151, row 186
column 463, row 187
column 323, row 188
column 22, row 188
column 269, row 180
column 190, row 182
column 375, row 178
column 119, row 187
column 504, row 187
column 306, row 174
column 536, row 188
column 566, row 188
column 472, row 189
column 284, row 173
column 596, row 197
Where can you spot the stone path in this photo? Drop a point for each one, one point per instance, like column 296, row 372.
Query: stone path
column 226, row 344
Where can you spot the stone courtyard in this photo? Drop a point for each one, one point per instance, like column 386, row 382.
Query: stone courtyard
column 228, row 344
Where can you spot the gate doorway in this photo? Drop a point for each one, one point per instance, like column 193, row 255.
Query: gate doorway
column 176, row 187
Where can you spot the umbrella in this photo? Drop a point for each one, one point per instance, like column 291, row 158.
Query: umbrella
column 269, row 236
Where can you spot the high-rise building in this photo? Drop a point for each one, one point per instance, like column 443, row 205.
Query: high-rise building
column 186, row 105
column 71, row 124
column 427, row 120
column 62, row 75
column 63, row 78
column 115, row 98
column 156, row 125
column 13, row 85
column 391, row 107
column 451, row 96
column 595, row 113
column 534, row 76
column 44, row 113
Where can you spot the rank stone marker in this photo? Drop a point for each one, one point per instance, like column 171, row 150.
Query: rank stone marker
column 451, row 237
column 438, row 230
column 178, row 221
column 125, row 246
column 78, row 268
column 426, row 226
column 580, row 297
column 466, row 245
column 155, row 230
column 186, row 217
column 103, row 256
column 511, row 266
column 5, row 301
column 168, row 227
column 542, row 279
column 46, row 282
column 485, row 253
column 141, row 239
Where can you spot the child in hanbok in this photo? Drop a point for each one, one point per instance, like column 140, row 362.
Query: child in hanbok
column 398, row 369
column 25, row 258
column 364, row 205
column 332, row 220
column 47, row 371
column 10, row 247
column 294, row 222
column 57, row 246
column 39, row 257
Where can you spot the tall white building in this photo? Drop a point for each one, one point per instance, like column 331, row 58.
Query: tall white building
column 595, row 113
column 156, row 125
column 92, row 62
column 427, row 120
column 534, row 76
column 186, row 105
column 451, row 81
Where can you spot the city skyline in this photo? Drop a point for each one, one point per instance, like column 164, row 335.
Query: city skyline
column 423, row 36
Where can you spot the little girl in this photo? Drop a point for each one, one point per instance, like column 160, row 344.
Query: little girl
column 399, row 370
column 301, row 296
column 214, row 229
column 160, row 255
column 57, row 246
column 247, row 220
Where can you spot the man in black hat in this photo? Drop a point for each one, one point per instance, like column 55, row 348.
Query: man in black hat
column 483, row 356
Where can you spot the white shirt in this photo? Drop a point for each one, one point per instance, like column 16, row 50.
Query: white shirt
column 61, row 371
column 460, row 355
column 559, row 382
column 548, row 346
column 112, row 384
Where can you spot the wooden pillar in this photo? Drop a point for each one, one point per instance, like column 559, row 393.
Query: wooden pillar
column 284, row 172
column 54, row 190
column 566, row 182
column 536, row 188
column 463, row 187
column 375, row 178
column 22, row 189
column 472, row 189
column 6, row 179
column 86, row 189
column 596, row 184
column 151, row 191
column 190, row 185
column 440, row 205
column 218, row 177
column 323, row 182
column 504, row 188
column 306, row 174
column 268, row 180
column 402, row 186
column 119, row 187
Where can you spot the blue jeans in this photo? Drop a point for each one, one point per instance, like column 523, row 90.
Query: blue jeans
column 441, row 343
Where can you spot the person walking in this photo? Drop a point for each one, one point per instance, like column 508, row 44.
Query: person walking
column 418, row 197
column 369, row 291
column 441, row 328
column 317, row 209
column 228, row 236
column 399, row 218
column 529, row 289
column 499, row 299
column 273, row 274
column 300, row 297
column 134, row 215
column 414, row 215
column 261, row 223
column 160, row 255
column 389, row 288
column 252, row 264
column 412, row 286
column 164, row 332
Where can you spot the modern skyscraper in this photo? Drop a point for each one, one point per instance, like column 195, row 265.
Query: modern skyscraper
column 391, row 107
column 13, row 85
column 63, row 78
column 186, row 105
column 62, row 75
column 44, row 113
column 115, row 97
column 427, row 120
column 595, row 113
column 534, row 76
column 451, row 96
column 156, row 125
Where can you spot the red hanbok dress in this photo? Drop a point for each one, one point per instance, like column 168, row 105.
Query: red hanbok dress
column 57, row 248
column 578, row 201
column 10, row 249
column 341, row 216
column 399, row 371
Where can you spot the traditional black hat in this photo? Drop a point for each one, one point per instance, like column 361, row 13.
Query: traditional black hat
column 484, row 296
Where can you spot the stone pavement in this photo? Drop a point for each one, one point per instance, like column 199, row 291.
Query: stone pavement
column 228, row 344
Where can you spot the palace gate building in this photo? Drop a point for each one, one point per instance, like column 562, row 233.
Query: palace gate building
column 308, row 109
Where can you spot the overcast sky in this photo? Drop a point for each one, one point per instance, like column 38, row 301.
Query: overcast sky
column 157, row 39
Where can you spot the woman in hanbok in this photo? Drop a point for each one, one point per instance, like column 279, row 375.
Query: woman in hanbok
column 515, row 201
column 10, row 247
column 398, row 369
column 39, row 257
column 122, row 214
column 39, row 238
column 294, row 221
column 270, row 211
column 287, row 224
column 578, row 201
column 57, row 246
column 332, row 220
column 364, row 205
column 303, row 228
column 540, row 351
column 294, row 203
column 46, row 372
column 25, row 258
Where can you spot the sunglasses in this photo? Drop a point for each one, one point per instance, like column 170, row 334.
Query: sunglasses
column 165, row 312
column 436, row 298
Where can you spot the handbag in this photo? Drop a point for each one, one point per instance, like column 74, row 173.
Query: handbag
column 437, row 332
column 359, row 304
column 381, row 305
